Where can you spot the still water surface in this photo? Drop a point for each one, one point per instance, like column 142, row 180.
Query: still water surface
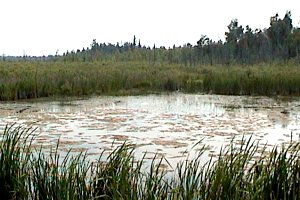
column 169, row 125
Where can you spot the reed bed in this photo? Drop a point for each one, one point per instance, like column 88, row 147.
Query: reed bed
column 33, row 79
column 239, row 172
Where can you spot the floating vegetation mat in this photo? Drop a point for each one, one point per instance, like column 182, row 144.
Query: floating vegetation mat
column 171, row 123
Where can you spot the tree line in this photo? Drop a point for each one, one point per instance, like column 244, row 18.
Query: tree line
column 280, row 42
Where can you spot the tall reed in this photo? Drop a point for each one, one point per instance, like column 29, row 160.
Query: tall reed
column 15, row 157
column 25, row 80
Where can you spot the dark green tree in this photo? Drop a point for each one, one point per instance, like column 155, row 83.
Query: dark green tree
column 294, row 47
column 234, row 34
column 279, row 33
column 134, row 41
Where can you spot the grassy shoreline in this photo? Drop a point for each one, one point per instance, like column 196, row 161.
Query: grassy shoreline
column 240, row 172
column 27, row 80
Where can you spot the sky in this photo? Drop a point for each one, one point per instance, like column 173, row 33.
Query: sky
column 44, row 27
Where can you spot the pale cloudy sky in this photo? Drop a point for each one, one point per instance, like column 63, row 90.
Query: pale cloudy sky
column 41, row 27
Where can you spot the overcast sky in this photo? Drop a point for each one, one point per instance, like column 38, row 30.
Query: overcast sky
column 41, row 27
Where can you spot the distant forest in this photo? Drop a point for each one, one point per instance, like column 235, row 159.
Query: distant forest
column 280, row 42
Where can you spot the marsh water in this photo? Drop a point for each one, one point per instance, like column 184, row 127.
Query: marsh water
column 169, row 125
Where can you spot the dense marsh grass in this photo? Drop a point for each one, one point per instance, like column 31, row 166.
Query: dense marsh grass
column 254, row 80
column 240, row 172
column 14, row 162
column 33, row 79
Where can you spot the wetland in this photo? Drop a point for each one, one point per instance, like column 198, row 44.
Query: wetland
column 169, row 125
